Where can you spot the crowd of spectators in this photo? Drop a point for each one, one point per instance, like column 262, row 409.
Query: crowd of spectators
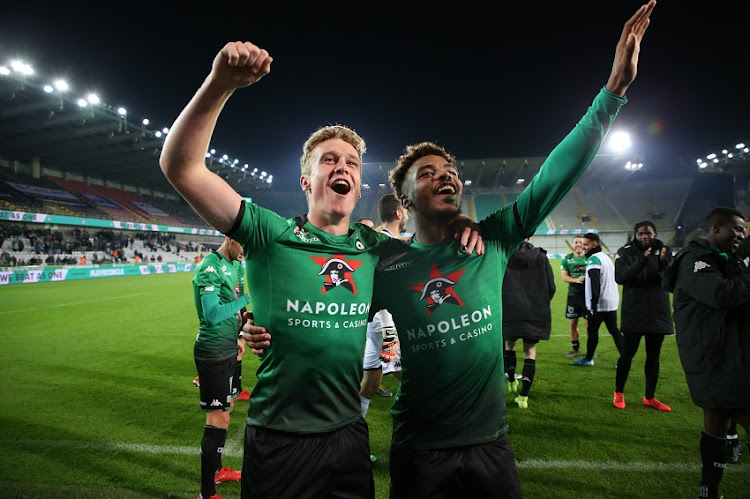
column 37, row 245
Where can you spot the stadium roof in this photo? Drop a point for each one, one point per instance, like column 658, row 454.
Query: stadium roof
column 39, row 122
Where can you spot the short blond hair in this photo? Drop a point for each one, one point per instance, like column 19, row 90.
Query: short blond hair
column 411, row 154
column 327, row 133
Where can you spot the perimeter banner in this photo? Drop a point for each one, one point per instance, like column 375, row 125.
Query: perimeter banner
column 44, row 218
column 29, row 276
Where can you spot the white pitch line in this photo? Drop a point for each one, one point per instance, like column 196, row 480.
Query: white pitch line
column 236, row 451
column 141, row 448
column 75, row 303
column 608, row 466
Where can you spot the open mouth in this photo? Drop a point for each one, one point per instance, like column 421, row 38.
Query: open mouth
column 341, row 187
column 446, row 189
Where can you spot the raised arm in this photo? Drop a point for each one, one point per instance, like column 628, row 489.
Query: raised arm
column 567, row 162
column 182, row 160
column 625, row 65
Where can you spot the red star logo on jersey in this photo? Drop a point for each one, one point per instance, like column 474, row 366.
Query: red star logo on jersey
column 439, row 289
column 338, row 271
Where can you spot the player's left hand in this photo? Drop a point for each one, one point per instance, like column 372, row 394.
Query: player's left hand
column 625, row 65
column 467, row 231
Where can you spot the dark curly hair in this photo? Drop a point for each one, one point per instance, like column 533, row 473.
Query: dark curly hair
column 411, row 154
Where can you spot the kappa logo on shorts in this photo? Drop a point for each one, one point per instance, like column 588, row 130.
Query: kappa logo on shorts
column 338, row 271
column 216, row 403
column 439, row 289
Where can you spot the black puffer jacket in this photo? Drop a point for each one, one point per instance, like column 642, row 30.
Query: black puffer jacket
column 528, row 288
column 645, row 306
column 711, row 306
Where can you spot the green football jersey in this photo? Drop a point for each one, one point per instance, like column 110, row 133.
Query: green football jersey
column 215, row 274
column 312, row 291
column 447, row 306
column 576, row 267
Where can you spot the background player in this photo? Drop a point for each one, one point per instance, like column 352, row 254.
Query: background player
column 218, row 299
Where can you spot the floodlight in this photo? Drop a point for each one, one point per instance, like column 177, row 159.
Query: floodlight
column 468, row 182
column 49, row 89
column 122, row 111
column 82, row 102
column 93, row 99
column 619, row 141
column 631, row 166
column 145, row 122
column 61, row 85
column 157, row 134
column 4, row 71
column 213, row 151
column 21, row 67
column 165, row 131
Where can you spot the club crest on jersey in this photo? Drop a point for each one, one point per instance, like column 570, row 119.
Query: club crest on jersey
column 338, row 272
column 439, row 289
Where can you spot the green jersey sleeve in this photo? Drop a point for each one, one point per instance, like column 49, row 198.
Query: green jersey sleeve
column 216, row 291
column 567, row 162
column 258, row 227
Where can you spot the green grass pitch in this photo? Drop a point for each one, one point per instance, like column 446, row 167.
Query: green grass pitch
column 97, row 402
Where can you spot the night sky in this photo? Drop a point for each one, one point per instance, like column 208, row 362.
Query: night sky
column 483, row 81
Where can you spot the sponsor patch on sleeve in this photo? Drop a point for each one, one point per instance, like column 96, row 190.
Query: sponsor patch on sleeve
column 699, row 265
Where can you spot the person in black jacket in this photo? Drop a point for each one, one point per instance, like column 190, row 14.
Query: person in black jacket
column 711, row 299
column 528, row 288
column 645, row 311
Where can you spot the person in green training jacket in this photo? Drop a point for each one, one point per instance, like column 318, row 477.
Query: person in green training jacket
column 449, row 422
column 218, row 301
column 573, row 271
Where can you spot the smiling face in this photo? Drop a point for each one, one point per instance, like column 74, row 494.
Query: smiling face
column 432, row 187
column 728, row 236
column 589, row 244
column 579, row 247
column 334, row 182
